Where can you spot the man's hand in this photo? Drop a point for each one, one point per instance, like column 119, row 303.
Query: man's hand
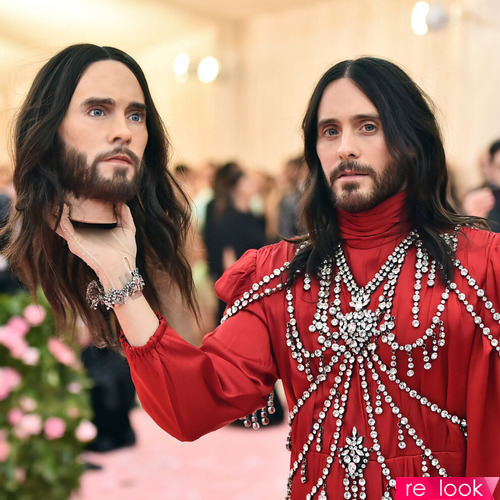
column 111, row 253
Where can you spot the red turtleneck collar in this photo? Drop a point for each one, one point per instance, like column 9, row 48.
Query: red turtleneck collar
column 385, row 223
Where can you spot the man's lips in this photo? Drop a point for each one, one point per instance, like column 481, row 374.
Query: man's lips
column 350, row 174
column 120, row 159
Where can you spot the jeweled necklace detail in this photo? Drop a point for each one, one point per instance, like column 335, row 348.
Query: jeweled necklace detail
column 348, row 345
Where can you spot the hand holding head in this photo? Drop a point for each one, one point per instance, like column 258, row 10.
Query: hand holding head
column 111, row 253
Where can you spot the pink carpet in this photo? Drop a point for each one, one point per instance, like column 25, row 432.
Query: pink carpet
column 232, row 463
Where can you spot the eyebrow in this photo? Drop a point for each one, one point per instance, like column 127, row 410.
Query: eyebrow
column 362, row 116
column 93, row 101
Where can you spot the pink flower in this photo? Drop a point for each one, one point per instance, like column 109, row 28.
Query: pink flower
column 86, row 431
column 62, row 353
column 29, row 425
column 9, row 380
column 14, row 416
column 4, row 447
column 12, row 336
column 34, row 314
column 20, row 475
column 7, row 334
column 30, row 356
column 54, row 428
column 18, row 348
column 73, row 412
column 27, row 404
column 18, row 325
column 4, row 451
column 74, row 387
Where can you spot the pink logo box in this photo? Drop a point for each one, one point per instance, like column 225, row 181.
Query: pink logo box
column 445, row 488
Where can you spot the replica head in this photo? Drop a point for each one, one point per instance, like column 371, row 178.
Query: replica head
column 87, row 127
column 89, row 131
column 102, row 138
column 369, row 132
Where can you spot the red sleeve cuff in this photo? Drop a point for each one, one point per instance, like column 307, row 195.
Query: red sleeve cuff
column 151, row 343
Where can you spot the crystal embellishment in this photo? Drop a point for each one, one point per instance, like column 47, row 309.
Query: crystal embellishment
column 354, row 456
column 357, row 328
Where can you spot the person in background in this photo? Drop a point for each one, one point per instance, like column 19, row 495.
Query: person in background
column 204, row 191
column 112, row 395
column 231, row 228
column 294, row 174
column 265, row 201
column 191, row 181
column 485, row 201
column 9, row 283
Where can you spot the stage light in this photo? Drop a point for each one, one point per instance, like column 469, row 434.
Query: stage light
column 181, row 67
column 208, row 69
column 418, row 18
column 427, row 16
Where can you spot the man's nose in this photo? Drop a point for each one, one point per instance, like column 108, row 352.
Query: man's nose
column 120, row 131
column 348, row 148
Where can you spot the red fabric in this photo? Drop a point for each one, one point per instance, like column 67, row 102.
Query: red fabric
column 190, row 391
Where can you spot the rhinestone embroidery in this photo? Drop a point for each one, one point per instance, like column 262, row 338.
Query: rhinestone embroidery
column 350, row 342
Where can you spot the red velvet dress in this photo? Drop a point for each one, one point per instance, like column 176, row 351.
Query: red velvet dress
column 414, row 403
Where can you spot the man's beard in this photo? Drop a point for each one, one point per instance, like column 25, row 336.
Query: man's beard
column 385, row 184
column 85, row 181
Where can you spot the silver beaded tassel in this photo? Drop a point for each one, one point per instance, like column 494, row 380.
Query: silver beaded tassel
column 253, row 421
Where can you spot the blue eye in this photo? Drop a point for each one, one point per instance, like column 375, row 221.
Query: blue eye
column 137, row 117
column 96, row 112
column 369, row 127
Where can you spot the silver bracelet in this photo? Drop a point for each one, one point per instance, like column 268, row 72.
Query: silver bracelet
column 96, row 296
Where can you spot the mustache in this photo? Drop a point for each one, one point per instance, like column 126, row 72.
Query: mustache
column 118, row 150
column 350, row 166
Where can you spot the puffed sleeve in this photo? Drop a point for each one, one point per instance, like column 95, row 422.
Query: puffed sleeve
column 483, row 392
column 191, row 391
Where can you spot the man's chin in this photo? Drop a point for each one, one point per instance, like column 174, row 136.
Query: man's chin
column 116, row 173
column 354, row 201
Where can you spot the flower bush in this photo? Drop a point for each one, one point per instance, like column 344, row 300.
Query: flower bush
column 44, row 405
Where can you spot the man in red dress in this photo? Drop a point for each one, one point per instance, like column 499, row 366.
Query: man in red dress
column 382, row 321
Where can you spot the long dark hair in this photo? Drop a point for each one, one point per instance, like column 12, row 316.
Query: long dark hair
column 414, row 140
column 37, row 254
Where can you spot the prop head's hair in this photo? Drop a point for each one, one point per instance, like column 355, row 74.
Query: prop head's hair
column 37, row 254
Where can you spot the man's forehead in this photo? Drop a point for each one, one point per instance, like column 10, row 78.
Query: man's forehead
column 343, row 98
column 108, row 80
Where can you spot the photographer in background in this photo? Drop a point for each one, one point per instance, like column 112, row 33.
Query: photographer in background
column 485, row 201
